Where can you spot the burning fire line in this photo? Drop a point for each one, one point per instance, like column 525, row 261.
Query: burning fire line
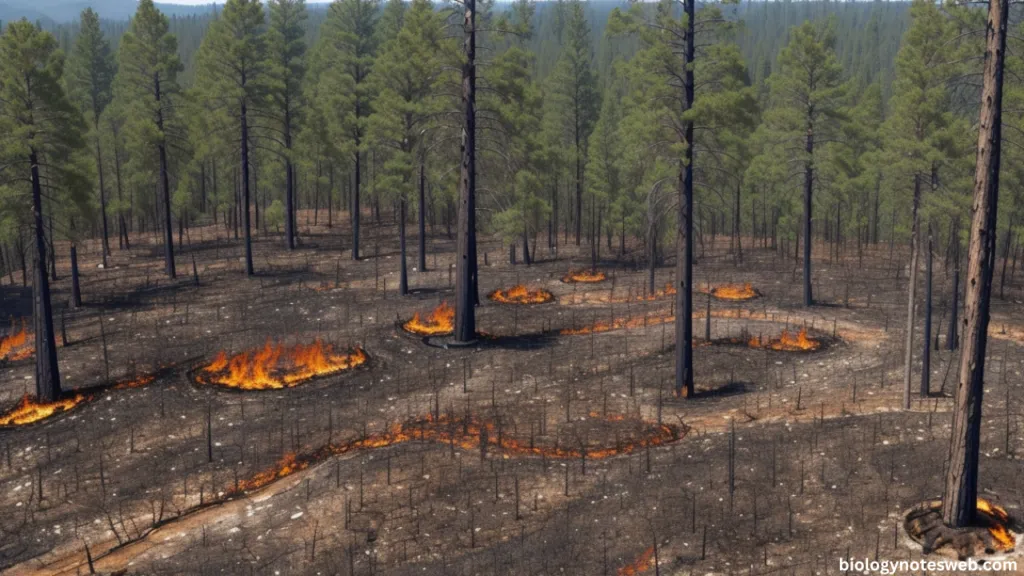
column 787, row 342
column 521, row 295
column 29, row 410
column 440, row 322
column 466, row 434
column 643, row 563
column 584, row 277
column 736, row 292
column 277, row 366
column 17, row 345
column 619, row 324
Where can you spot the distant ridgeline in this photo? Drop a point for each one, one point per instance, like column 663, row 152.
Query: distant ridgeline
column 867, row 33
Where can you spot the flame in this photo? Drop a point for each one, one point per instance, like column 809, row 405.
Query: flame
column 464, row 433
column 584, row 277
column 277, row 366
column 787, row 342
column 520, row 294
column 16, row 345
column 441, row 321
column 997, row 520
column 643, row 563
column 734, row 292
column 29, row 410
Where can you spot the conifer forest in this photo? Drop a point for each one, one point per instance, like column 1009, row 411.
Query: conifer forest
column 518, row 287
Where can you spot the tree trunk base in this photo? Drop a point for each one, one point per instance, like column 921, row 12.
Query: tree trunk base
column 993, row 534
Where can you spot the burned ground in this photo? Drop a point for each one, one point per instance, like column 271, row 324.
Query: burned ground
column 156, row 479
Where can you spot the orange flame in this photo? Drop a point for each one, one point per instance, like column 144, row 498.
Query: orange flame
column 135, row 383
column 466, row 434
column 643, row 563
column 29, row 410
column 441, row 321
column 618, row 324
column 787, row 342
column 277, row 366
column 584, row 277
column 16, row 346
column 734, row 292
column 997, row 520
column 520, row 294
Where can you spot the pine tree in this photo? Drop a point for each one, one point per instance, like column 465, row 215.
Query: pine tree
column 286, row 49
column 345, row 57
column 404, row 78
column 574, row 86
column 41, row 132
column 146, row 89
column 807, row 99
column 89, row 78
column 233, row 72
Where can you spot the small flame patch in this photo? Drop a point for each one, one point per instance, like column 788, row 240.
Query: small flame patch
column 29, row 410
column 584, row 277
column 520, row 294
column 17, row 345
column 277, row 366
column 439, row 322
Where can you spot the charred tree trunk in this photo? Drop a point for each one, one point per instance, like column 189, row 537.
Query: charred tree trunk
column 76, row 292
column 960, row 498
column 1007, row 241
column 526, row 249
column 954, row 308
column 684, row 233
column 289, row 185
column 403, row 271
column 465, row 267
column 423, row 219
column 355, row 203
column 926, row 353
column 103, row 194
column 165, row 186
column 245, row 190
column 915, row 249
column 808, row 207
column 47, row 371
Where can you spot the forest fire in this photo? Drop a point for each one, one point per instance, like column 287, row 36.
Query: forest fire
column 17, row 345
column 464, row 434
column 644, row 562
column 997, row 521
column 990, row 534
column 29, row 410
column 520, row 294
column 277, row 366
column 736, row 292
column 584, row 277
column 439, row 322
column 787, row 342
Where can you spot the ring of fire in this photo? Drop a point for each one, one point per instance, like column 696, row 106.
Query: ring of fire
column 277, row 366
column 520, row 294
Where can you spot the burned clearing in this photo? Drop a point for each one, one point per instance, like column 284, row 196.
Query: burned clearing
column 297, row 422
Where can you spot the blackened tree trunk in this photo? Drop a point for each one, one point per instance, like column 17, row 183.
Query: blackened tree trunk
column 684, row 233
column 465, row 267
column 403, row 272
column 926, row 355
column 960, row 498
column 165, row 186
column 289, row 186
column 76, row 292
column 526, row 249
column 423, row 219
column 736, row 226
column 245, row 189
column 954, row 308
column 355, row 203
column 808, row 207
column 579, row 180
column 1007, row 241
column 103, row 194
column 915, row 250
column 47, row 371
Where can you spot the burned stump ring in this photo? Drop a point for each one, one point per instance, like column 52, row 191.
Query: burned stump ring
column 992, row 533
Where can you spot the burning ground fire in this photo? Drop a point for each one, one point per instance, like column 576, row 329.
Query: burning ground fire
column 277, row 366
column 17, row 345
column 521, row 295
column 737, row 292
column 992, row 531
column 787, row 342
column 29, row 410
column 643, row 563
column 997, row 521
column 584, row 277
column 439, row 322
column 619, row 324
column 463, row 433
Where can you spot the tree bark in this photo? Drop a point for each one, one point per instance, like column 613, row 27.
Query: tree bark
column 47, row 371
column 103, row 194
column 808, row 207
column 289, row 185
column 960, row 497
column 165, row 186
column 465, row 267
column 423, row 219
column 926, row 353
column 684, row 232
column 76, row 292
column 245, row 190
column 403, row 272
column 355, row 204
column 915, row 249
